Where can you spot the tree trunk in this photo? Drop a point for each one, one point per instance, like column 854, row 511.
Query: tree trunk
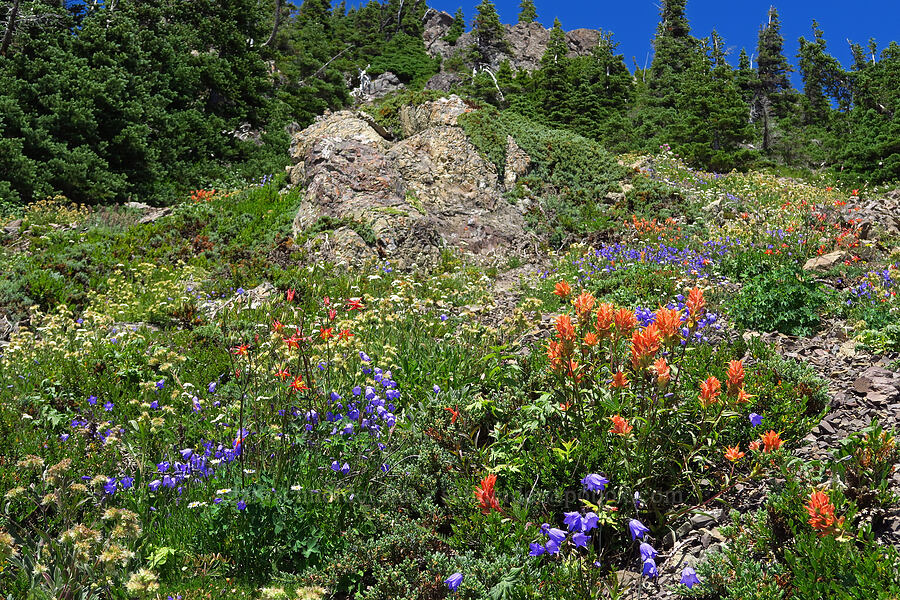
column 10, row 28
column 271, row 40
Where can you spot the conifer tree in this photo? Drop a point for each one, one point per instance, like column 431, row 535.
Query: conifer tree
column 602, row 89
column 527, row 12
column 771, row 65
column 823, row 77
column 553, row 83
column 490, row 39
column 674, row 48
column 457, row 27
column 745, row 77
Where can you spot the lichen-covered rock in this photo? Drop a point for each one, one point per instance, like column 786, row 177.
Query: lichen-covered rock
column 443, row 81
column 436, row 113
column 517, row 163
column 405, row 201
column 824, row 262
column 526, row 43
column 342, row 125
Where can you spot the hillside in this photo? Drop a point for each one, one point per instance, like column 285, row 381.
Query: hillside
column 146, row 102
column 379, row 306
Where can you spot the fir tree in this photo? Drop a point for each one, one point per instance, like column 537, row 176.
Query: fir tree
column 527, row 12
column 553, row 82
column 771, row 65
column 457, row 27
column 490, row 39
column 745, row 77
column 823, row 77
column 674, row 46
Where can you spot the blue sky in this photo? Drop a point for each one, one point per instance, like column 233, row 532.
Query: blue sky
column 634, row 22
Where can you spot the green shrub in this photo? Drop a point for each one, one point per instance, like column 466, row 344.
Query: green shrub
column 406, row 57
column 569, row 173
column 786, row 300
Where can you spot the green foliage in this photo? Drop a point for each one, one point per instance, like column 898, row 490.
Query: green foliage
column 405, row 56
column 570, row 172
column 527, row 12
column 831, row 568
column 865, row 463
column 785, row 300
column 789, row 393
column 457, row 28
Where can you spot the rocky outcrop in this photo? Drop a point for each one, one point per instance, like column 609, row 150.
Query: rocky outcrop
column 442, row 112
column 367, row 197
column 527, row 42
column 436, row 25
column 517, row 163
column 383, row 85
column 444, row 81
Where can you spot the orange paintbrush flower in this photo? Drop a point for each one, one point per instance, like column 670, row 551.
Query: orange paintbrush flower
column 663, row 371
column 562, row 289
column 735, row 376
column 710, row 391
column 668, row 321
column 771, row 440
column 485, row 494
column 620, row 426
column 821, row 513
column 454, row 414
column 619, row 380
column 605, row 318
column 625, row 321
column 590, row 339
column 573, row 370
column 644, row 345
column 734, row 453
column 743, row 397
column 695, row 303
column 584, row 304
column 755, row 445
column 554, row 354
column 564, row 328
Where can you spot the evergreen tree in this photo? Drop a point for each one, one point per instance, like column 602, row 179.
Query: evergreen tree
column 554, row 89
column 823, row 77
column 713, row 118
column 490, row 36
column 527, row 12
column 675, row 50
column 869, row 145
column 602, row 90
column 772, row 66
column 457, row 27
column 745, row 77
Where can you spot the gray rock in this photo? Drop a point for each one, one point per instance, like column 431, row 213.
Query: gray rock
column 410, row 198
column 517, row 163
column 438, row 113
column 700, row 520
column 444, row 82
column 13, row 227
column 824, row 262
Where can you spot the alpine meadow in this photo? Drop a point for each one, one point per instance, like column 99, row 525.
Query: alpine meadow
column 318, row 301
